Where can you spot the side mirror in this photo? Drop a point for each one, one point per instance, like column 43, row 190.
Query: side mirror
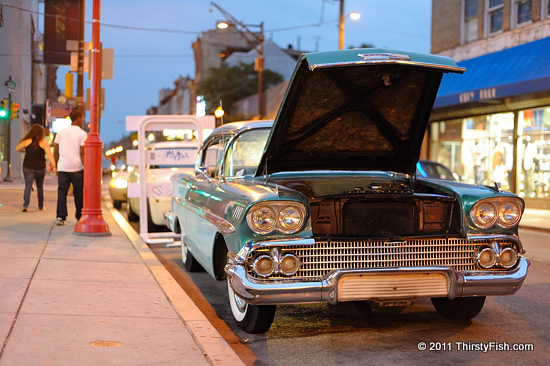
column 205, row 172
column 201, row 170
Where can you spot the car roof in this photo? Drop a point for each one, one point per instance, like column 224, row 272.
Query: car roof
column 234, row 128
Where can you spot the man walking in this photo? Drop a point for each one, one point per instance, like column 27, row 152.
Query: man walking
column 69, row 155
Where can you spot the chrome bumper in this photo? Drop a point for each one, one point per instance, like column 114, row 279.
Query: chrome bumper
column 170, row 220
column 377, row 285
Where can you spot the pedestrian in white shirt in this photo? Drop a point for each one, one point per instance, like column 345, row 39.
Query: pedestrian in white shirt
column 69, row 155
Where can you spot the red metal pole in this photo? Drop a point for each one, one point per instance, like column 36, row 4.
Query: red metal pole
column 91, row 222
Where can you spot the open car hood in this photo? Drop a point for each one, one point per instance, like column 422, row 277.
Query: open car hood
column 357, row 109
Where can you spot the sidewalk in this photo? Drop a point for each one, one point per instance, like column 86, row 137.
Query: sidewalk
column 68, row 299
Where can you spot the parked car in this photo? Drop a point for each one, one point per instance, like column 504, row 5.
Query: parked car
column 159, row 199
column 322, row 205
column 434, row 170
column 118, row 186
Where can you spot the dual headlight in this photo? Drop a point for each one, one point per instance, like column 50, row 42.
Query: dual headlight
column 496, row 256
column 276, row 262
column 286, row 217
column 503, row 212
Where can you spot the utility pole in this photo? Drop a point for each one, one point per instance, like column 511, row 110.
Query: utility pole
column 80, row 65
column 253, row 39
column 260, row 69
column 341, row 31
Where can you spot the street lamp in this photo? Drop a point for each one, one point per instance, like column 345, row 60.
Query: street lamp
column 342, row 18
column 219, row 112
column 91, row 222
column 222, row 25
column 253, row 39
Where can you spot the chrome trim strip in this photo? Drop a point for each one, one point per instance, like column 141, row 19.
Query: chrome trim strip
column 223, row 225
column 444, row 68
column 514, row 238
column 250, row 246
column 178, row 201
column 383, row 56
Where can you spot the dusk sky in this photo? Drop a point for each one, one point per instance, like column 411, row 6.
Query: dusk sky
column 152, row 39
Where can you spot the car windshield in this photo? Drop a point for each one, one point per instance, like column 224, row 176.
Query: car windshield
column 433, row 170
column 244, row 155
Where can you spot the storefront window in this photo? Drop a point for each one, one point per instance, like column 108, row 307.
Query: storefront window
column 501, row 149
column 445, row 148
column 533, row 152
column 476, row 149
column 3, row 140
column 481, row 150
column 2, row 147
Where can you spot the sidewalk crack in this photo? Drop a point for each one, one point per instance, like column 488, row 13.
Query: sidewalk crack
column 4, row 346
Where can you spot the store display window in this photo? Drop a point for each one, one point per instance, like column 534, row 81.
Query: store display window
column 534, row 153
column 481, row 150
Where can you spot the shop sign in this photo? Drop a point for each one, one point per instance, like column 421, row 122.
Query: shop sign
column 60, row 110
column 475, row 95
column 60, row 25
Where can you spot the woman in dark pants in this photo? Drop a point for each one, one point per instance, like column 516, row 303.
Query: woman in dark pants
column 35, row 147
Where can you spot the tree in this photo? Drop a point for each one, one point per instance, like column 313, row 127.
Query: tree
column 364, row 45
column 233, row 83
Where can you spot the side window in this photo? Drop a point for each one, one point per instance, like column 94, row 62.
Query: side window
column 244, row 155
column 212, row 156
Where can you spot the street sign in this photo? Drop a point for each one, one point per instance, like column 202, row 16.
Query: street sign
column 11, row 86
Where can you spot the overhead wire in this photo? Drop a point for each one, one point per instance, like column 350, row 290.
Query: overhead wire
column 188, row 32
column 166, row 30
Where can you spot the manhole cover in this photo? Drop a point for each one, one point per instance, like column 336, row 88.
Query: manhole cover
column 106, row 344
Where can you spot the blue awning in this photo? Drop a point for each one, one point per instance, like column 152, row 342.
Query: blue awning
column 514, row 71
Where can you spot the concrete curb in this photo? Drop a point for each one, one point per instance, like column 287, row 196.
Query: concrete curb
column 212, row 343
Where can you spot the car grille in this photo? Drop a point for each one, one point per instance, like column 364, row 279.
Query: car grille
column 379, row 218
column 327, row 256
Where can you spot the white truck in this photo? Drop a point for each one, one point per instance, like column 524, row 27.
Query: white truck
column 158, row 161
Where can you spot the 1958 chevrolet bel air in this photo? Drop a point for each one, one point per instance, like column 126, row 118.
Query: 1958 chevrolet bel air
column 323, row 203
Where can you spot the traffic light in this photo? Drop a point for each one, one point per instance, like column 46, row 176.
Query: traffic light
column 4, row 113
column 14, row 110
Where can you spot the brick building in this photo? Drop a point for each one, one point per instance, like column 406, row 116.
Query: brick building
column 492, row 124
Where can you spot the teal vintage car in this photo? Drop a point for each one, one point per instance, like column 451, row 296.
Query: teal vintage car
column 323, row 204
